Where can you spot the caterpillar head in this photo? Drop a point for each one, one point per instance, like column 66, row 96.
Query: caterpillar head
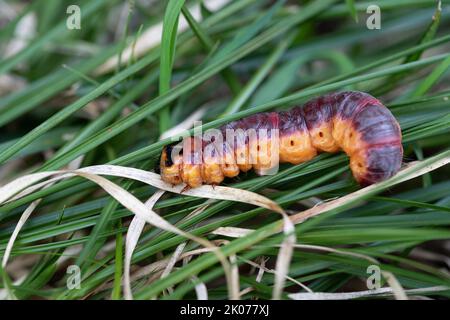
column 170, row 164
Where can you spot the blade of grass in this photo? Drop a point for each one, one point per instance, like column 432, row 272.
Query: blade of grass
column 237, row 103
column 89, row 8
column 431, row 79
column 168, row 40
column 207, row 43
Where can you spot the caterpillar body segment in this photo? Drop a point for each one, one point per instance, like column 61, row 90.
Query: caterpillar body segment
column 354, row 122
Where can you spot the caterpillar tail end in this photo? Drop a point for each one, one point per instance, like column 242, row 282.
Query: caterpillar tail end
column 376, row 163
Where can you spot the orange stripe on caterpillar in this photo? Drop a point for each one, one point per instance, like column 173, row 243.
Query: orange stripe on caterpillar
column 354, row 122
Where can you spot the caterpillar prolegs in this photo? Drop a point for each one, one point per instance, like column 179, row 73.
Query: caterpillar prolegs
column 354, row 122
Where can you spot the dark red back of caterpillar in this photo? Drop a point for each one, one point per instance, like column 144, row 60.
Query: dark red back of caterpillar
column 354, row 122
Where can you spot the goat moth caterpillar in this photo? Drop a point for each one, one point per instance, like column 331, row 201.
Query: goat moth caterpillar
column 354, row 122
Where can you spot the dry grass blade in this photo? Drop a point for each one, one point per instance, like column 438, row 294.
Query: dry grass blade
column 206, row 191
column 359, row 294
column 197, row 211
column 232, row 232
column 133, row 234
column 161, row 264
column 263, row 269
column 412, row 171
column 13, row 187
column 183, row 127
column 234, row 274
column 23, row 218
column 397, row 289
column 200, row 289
column 284, row 257
column 26, row 214
column 172, row 261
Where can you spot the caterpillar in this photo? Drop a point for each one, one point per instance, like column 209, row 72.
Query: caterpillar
column 351, row 121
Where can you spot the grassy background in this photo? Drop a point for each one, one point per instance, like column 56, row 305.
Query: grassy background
column 247, row 57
